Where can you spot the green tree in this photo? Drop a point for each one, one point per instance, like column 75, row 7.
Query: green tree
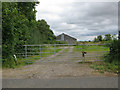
column 95, row 39
column 15, row 30
column 119, row 34
column 114, row 53
column 20, row 27
column 99, row 38
column 114, row 37
column 47, row 35
column 108, row 37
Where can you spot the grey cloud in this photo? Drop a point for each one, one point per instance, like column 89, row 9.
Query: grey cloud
column 90, row 19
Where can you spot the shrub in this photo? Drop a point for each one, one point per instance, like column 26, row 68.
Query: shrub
column 114, row 53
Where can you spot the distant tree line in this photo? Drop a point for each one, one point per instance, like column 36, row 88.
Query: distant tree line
column 19, row 27
column 107, row 37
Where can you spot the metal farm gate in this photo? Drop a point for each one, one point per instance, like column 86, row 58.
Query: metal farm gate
column 62, row 52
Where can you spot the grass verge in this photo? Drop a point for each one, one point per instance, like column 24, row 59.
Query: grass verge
column 105, row 67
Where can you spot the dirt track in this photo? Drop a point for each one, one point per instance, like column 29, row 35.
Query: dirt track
column 62, row 66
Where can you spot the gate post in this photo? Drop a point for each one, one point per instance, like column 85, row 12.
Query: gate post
column 54, row 49
column 40, row 51
column 97, row 52
column 26, row 53
column 77, row 45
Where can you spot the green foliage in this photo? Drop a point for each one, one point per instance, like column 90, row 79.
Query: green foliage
column 112, row 58
column 114, row 37
column 95, row 39
column 10, row 64
column 15, row 30
column 19, row 27
column 114, row 53
column 108, row 37
column 43, row 33
column 119, row 34
column 99, row 38
column 105, row 67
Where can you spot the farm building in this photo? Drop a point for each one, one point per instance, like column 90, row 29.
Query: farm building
column 66, row 38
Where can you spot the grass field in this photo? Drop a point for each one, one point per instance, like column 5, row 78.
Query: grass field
column 91, row 48
column 99, row 66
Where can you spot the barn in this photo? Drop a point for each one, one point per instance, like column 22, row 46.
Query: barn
column 66, row 38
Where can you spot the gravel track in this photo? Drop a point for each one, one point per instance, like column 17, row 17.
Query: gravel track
column 61, row 66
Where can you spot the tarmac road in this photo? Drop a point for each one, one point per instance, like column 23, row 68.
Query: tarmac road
column 73, row 82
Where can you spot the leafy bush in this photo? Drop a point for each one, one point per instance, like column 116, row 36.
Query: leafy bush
column 19, row 27
column 9, row 62
column 114, row 53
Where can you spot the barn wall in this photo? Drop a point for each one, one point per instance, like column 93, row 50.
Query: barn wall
column 58, row 38
column 67, row 39
column 70, row 40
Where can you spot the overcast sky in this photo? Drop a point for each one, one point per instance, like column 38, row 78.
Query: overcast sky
column 82, row 20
